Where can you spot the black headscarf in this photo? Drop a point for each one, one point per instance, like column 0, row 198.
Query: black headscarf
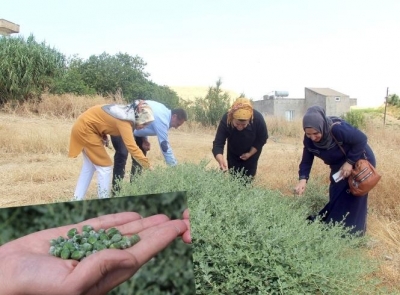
column 315, row 118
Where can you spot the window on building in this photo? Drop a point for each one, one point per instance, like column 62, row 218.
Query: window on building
column 289, row 115
column 337, row 98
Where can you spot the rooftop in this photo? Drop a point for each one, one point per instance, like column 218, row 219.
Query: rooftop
column 327, row 91
column 7, row 28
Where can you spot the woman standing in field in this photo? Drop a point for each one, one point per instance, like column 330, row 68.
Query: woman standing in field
column 88, row 135
column 246, row 132
column 319, row 141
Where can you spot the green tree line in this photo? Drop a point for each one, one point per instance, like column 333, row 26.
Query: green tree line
column 29, row 68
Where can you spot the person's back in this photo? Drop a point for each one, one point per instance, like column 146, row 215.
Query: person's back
column 164, row 119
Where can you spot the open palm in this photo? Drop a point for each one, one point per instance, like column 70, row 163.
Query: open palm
column 27, row 268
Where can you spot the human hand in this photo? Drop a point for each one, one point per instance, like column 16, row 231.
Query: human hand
column 186, row 236
column 221, row 161
column 27, row 268
column 223, row 166
column 300, row 187
column 106, row 141
column 346, row 170
column 146, row 145
column 245, row 156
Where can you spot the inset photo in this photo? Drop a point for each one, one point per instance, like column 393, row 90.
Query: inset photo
column 125, row 245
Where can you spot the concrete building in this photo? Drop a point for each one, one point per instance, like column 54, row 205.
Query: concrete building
column 7, row 28
column 334, row 103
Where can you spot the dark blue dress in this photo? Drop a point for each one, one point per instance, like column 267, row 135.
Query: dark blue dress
column 341, row 202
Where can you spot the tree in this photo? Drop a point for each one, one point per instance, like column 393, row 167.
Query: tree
column 71, row 81
column 209, row 110
column 107, row 74
column 27, row 68
column 393, row 99
column 162, row 94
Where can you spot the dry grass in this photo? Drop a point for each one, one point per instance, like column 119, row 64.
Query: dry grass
column 35, row 168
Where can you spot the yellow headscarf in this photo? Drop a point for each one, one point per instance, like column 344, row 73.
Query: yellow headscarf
column 240, row 110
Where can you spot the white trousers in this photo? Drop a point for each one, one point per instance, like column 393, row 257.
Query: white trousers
column 104, row 175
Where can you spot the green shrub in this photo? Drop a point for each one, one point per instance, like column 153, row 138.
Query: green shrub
column 72, row 81
column 209, row 110
column 247, row 240
column 356, row 118
column 393, row 99
column 27, row 68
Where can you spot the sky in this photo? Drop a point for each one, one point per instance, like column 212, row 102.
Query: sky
column 254, row 46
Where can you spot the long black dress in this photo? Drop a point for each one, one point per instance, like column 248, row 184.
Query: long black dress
column 240, row 142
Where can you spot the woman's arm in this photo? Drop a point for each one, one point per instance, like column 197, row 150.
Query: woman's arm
column 220, row 137
column 353, row 140
column 126, row 131
column 261, row 131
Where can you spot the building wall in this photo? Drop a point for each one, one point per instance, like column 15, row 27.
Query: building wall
column 335, row 107
column 353, row 101
column 314, row 99
column 265, row 106
column 280, row 107
column 296, row 108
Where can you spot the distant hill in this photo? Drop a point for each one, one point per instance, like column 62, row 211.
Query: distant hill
column 190, row 93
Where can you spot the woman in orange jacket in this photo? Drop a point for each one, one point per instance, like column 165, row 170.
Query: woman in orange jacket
column 88, row 134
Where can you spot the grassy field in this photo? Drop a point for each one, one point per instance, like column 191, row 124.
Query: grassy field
column 35, row 168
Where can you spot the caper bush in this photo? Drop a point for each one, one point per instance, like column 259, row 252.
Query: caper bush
column 248, row 240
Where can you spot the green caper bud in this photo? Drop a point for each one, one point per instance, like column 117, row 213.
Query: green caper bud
column 114, row 246
column 87, row 246
column 77, row 255
column 52, row 249
column 60, row 239
column 84, row 240
column 69, row 245
column 53, row 242
column 134, row 239
column 106, row 243
column 85, row 234
column 77, row 238
column 87, row 228
column 92, row 232
column 101, row 231
column 96, row 235
column 92, row 240
column 123, row 244
column 116, row 238
column 99, row 246
column 72, row 232
column 112, row 231
column 57, row 251
column 88, row 253
column 65, row 253
column 103, row 236
column 126, row 240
